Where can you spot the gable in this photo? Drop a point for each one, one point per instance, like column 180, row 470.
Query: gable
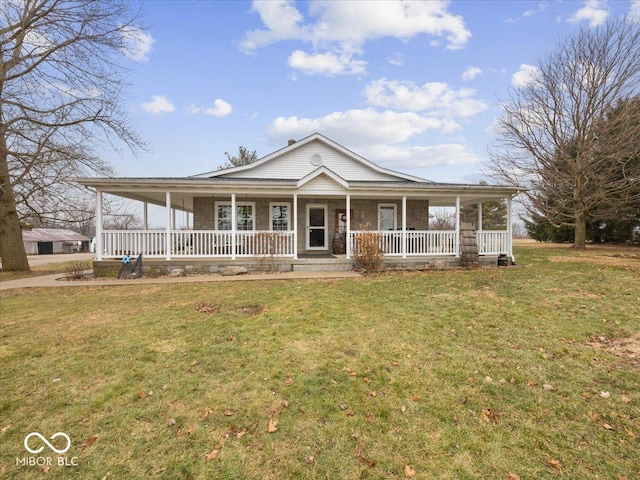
column 299, row 159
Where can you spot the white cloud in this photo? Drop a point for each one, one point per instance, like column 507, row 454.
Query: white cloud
column 137, row 43
column 328, row 64
column 220, row 109
column 435, row 98
column 397, row 59
column 534, row 11
column 336, row 38
column 360, row 127
column 158, row 104
column 411, row 157
column 594, row 12
column 471, row 72
column 634, row 11
column 524, row 76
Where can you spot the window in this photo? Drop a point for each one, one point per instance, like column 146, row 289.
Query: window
column 386, row 216
column 244, row 216
column 279, row 216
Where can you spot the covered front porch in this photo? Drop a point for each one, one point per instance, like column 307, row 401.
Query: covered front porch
column 260, row 230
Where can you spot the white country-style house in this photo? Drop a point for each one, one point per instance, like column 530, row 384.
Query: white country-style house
column 300, row 207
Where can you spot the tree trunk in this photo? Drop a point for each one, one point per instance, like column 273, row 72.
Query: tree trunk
column 14, row 256
column 580, row 230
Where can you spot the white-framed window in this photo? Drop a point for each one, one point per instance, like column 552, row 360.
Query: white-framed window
column 279, row 216
column 387, row 216
column 245, row 214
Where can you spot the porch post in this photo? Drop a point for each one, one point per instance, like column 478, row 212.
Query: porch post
column 145, row 216
column 348, row 227
column 509, row 229
column 99, row 247
column 234, row 225
column 479, row 227
column 458, row 226
column 173, row 219
column 295, row 226
column 404, row 226
column 168, row 226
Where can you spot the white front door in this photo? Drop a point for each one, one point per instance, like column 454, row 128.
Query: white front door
column 316, row 227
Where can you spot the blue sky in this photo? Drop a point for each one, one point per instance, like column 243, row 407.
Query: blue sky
column 413, row 86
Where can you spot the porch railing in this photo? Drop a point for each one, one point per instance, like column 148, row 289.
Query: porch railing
column 197, row 243
column 219, row 243
column 419, row 242
column 492, row 242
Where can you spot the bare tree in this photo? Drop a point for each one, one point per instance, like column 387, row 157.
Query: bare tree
column 61, row 85
column 443, row 219
column 556, row 137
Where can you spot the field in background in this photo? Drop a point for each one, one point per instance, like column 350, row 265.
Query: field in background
column 530, row 371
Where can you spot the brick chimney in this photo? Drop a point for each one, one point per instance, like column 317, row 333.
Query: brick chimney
column 292, row 141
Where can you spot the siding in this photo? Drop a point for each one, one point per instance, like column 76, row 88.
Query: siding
column 297, row 163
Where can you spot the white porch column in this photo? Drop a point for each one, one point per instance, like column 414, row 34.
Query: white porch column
column 167, row 244
column 145, row 216
column 295, row 226
column 173, row 219
column 479, row 227
column 348, row 227
column 457, row 226
column 509, row 229
column 234, row 226
column 404, row 226
column 99, row 246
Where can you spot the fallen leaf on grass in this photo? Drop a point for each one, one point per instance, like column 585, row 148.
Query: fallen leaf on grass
column 5, row 428
column 288, row 382
column 273, row 426
column 373, row 394
column 594, row 416
column 241, row 433
column 409, row 471
column 286, row 404
column 46, row 469
column 170, row 422
column 211, row 455
column 141, row 394
column 513, row 476
column 208, row 413
column 605, row 394
column 229, row 412
column 554, row 463
column 531, row 383
column 625, row 399
column 490, row 415
column 89, row 441
column 606, row 426
column 361, row 459
column 546, row 386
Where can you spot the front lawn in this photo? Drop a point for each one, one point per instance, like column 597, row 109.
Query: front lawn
column 523, row 372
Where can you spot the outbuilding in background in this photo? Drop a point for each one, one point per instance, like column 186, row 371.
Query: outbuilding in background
column 46, row 241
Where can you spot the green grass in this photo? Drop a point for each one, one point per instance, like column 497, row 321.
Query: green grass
column 439, row 371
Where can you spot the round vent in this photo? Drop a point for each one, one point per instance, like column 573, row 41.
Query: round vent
column 316, row 159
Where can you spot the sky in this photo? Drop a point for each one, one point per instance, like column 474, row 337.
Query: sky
column 414, row 86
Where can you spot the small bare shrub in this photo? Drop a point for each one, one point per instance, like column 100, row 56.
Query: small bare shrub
column 77, row 270
column 367, row 248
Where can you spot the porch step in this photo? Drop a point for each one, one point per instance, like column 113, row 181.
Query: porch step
column 322, row 265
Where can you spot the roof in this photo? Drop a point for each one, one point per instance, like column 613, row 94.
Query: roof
column 52, row 235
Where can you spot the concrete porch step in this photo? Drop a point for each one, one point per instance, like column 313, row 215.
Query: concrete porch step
column 322, row 265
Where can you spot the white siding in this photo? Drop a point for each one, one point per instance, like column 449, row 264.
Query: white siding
column 297, row 163
column 322, row 185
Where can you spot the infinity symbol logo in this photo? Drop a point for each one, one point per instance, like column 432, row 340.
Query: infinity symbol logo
column 47, row 443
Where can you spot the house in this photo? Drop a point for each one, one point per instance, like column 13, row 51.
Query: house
column 44, row 241
column 300, row 207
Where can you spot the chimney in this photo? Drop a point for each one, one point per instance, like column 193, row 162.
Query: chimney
column 291, row 141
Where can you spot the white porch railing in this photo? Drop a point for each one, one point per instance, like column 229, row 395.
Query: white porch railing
column 197, row 243
column 219, row 243
column 492, row 242
column 419, row 242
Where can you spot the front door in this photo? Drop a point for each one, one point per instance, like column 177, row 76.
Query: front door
column 316, row 227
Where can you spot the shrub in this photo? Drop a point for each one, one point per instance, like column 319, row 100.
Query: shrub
column 77, row 270
column 367, row 248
